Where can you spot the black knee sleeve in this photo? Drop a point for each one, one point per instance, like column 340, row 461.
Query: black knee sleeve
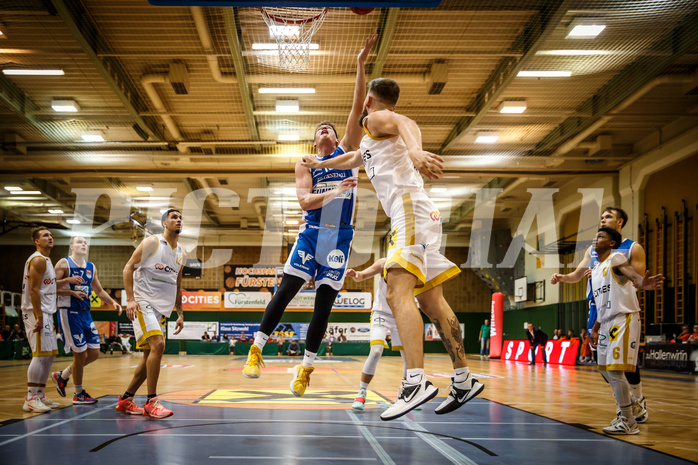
column 289, row 287
column 633, row 377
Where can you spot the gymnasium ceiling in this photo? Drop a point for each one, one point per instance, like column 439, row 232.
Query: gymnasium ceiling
column 120, row 59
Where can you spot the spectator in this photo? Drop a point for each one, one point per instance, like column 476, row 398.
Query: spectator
column 293, row 349
column 6, row 333
column 16, row 334
column 536, row 337
column 281, row 342
column 341, row 337
column 328, row 344
column 114, row 341
column 685, row 335
column 126, row 342
column 556, row 334
column 561, row 335
column 484, row 339
column 571, row 336
column 215, row 338
column 206, row 337
column 230, row 341
column 242, row 337
column 694, row 335
column 225, row 338
column 585, row 348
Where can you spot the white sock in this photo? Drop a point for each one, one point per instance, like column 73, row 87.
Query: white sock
column 31, row 391
column 40, row 391
column 627, row 412
column 78, row 389
column 415, row 375
column 363, row 386
column 260, row 339
column 309, row 358
column 461, row 375
column 637, row 390
column 65, row 374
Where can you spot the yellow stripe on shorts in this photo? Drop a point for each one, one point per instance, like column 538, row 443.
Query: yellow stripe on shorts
column 409, row 218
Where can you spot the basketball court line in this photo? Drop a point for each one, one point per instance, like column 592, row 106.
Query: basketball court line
column 384, row 456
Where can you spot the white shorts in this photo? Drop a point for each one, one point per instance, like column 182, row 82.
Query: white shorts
column 415, row 241
column 149, row 322
column 42, row 343
column 382, row 320
column 619, row 343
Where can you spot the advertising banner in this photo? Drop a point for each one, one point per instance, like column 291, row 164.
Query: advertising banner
column 286, row 330
column 124, row 328
column 431, row 334
column 344, row 300
column 249, row 278
column 354, row 332
column 201, row 300
column 246, row 299
column 496, row 325
column 558, row 352
column 193, row 330
column 677, row 357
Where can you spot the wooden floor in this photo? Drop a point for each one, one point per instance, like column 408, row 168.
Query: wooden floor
column 572, row 395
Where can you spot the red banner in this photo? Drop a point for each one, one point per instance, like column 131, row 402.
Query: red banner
column 201, row 300
column 558, row 352
column 496, row 325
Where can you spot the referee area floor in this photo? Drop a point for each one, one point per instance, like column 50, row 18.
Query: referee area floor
column 525, row 415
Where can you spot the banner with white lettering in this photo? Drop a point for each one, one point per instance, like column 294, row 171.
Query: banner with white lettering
column 344, row 300
column 286, row 330
column 352, row 332
column 558, row 352
column 246, row 299
column 201, row 300
column 193, row 330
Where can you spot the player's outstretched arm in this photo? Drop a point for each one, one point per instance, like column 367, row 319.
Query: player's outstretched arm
column 577, row 274
column 304, row 189
column 347, row 161
column 369, row 272
column 354, row 131
column 622, row 266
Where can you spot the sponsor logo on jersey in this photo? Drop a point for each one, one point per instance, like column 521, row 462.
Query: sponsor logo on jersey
column 335, row 259
column 304, row 256
column 166, row 268
column 88, row 273
column 49, row 281
column 613, row 332
column 435, row 216
column 332, row 274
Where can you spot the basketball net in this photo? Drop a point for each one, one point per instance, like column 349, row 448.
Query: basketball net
column 293, row 28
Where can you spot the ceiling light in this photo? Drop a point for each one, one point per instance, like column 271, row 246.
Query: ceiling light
column 287, row 106
column 144, row 188
column 25, row 192
column 289, row 137
column 484, row 137
column 285, row 30
column 63, row 105
column 2, row 35
column 544, row 74
column 93, row 136
column 512, row 106
column 436, row 190
column 286, row 46
column 573, row 52
column 72, row 221
column 289, row 222
column 57, row 212
column 286, row 90
column 33, row 72
column 13, row 188
column 584, row 29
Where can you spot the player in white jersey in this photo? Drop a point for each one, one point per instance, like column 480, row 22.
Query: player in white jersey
column 382, row 321
column 80, row 334
column 614, row 218
column 392, row 155
column 616, row 332
column 153, row 286
column 38, row 306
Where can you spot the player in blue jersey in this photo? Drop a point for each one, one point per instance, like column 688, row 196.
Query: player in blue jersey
column 80, row 335
column 328, row 199
column 614, row 218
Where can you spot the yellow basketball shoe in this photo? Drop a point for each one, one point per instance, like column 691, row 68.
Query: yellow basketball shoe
column 254, row 360
column 302, row 379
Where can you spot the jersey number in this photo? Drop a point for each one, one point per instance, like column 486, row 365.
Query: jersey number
column 616, row 353
column 372, row 173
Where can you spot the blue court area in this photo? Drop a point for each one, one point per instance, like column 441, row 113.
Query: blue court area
column 482, row 432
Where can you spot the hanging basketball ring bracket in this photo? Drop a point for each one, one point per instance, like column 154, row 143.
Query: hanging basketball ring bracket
column 293, row 29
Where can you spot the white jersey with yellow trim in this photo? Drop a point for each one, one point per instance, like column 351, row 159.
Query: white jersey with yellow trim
column 155, row 279
column 389, row 168
column 612, row 298
column 47, row 291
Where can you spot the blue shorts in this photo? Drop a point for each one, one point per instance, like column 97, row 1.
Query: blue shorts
column 321, row 253
column 592, row 315
column 78, row 329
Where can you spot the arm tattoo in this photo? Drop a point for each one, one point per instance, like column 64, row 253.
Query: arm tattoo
column 454, row 344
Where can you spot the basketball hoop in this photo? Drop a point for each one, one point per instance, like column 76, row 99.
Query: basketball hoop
column 293, row 28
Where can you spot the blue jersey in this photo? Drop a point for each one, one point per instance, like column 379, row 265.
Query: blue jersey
column 87, row 274
column 624, row 248
column 339, row 212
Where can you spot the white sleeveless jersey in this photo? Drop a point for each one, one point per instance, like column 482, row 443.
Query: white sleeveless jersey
column 155, row 279
column 389, row 168
column 612, row 298
column 47, row 291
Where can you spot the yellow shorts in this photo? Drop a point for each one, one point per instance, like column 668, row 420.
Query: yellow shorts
column 149, row 322
column 42, row 343
column 415, row 242
column 619, row 343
